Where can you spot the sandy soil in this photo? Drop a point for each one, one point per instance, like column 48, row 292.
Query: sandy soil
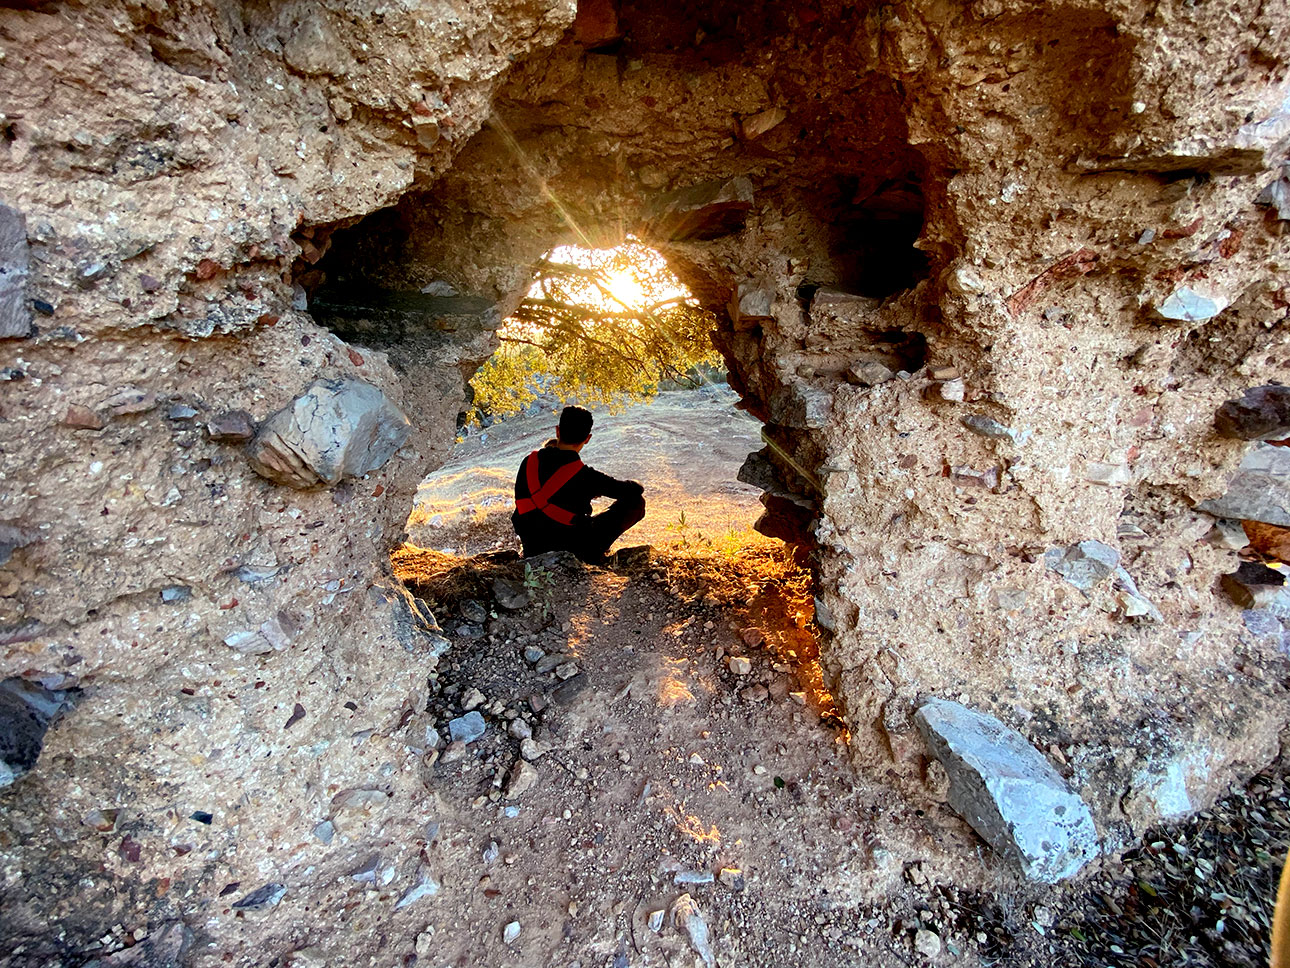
column 685, row 447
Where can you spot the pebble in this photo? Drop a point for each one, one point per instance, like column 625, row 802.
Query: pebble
column 927, row 943
column 739, row 665
column 511, row 932
column 655, row 920
column 467, row 728
column 752, row 637
column 693, row 877
column 533, row 654
column 566, row 670
column 521, row 779
column 733, row 878
column 519, row 729
column 531, row 749
column 549, row 662
column 454, row 751
column 756, row 693
column 473, row 699
column 759, row 770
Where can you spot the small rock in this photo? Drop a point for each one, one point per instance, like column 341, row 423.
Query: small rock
column 473, row 699
column 174, row 594
column 473, row 612
column 733, row 878
column 988, row 427
column 521, row 779
column 686, row 917
column 180, row 412
column 453, row 751
column 511, row 932
column 233, row 426
column 467, row 728
column 1084, row 564
column 519, row 729
column 1109, row 475
column 511, row 595
column 531, row 749
column 128, row 401
column 1190, row 306
column 693, row 877
column 927, row 943
column 325, row 831
column 869, row 374
column 755, row 693
column 655, row 920
column 1228, row 535
column 951, row 391
column 566, row 670
column 82, row 418
column 1262, row 413
column 533, row 654
column 547, row 663
column 944, row 374
column 265, row 897
column 752, row 637
column 739, row 665
column 1254, row 585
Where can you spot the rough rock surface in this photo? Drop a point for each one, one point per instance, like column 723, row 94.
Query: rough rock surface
column 1076, row 207
column 336, row 430
column 1010, row 794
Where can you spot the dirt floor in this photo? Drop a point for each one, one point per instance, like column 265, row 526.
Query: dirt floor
column 685, row 446
column 655, row 769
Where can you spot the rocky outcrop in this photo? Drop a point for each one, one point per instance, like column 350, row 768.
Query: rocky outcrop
column 986, row 279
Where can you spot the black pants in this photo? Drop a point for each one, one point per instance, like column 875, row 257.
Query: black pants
column 589, row 538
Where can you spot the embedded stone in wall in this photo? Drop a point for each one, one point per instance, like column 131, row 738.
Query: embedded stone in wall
column 1262, row 413
column 336, row 429
column 1187, row 305
column 15, row 263
column 1259, row 490
column 1084, row 564
column 705, row 211
column 1008, row 792
column 26, row 711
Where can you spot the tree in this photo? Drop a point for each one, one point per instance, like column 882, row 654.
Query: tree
column 602, row 327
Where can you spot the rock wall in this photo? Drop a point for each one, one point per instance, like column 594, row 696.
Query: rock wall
column 986, row 272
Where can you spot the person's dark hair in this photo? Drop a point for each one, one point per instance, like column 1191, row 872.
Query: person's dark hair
column 575, row 425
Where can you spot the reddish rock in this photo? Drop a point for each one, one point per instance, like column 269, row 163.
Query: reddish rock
column 232, row 426
column 355, row 356
column 82, row 418
column 207, row 269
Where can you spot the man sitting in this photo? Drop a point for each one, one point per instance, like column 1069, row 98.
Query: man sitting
column 553, row 492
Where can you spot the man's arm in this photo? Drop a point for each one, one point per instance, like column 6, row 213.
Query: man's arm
column 602, row 485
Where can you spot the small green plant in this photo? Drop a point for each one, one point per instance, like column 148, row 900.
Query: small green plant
column 539, row 582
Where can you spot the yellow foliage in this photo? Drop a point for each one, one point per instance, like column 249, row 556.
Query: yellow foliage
column 603, row 327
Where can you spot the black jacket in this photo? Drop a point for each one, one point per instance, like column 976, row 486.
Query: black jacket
column 575, row 496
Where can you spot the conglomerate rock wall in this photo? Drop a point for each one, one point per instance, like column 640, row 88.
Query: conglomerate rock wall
column 985, row 271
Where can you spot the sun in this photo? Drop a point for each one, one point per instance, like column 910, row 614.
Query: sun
column 624, row 287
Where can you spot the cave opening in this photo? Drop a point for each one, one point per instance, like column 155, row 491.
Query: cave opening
column 614, row 330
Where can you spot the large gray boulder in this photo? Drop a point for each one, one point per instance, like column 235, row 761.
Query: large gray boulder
column 335, row 430
column 1009, row 792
